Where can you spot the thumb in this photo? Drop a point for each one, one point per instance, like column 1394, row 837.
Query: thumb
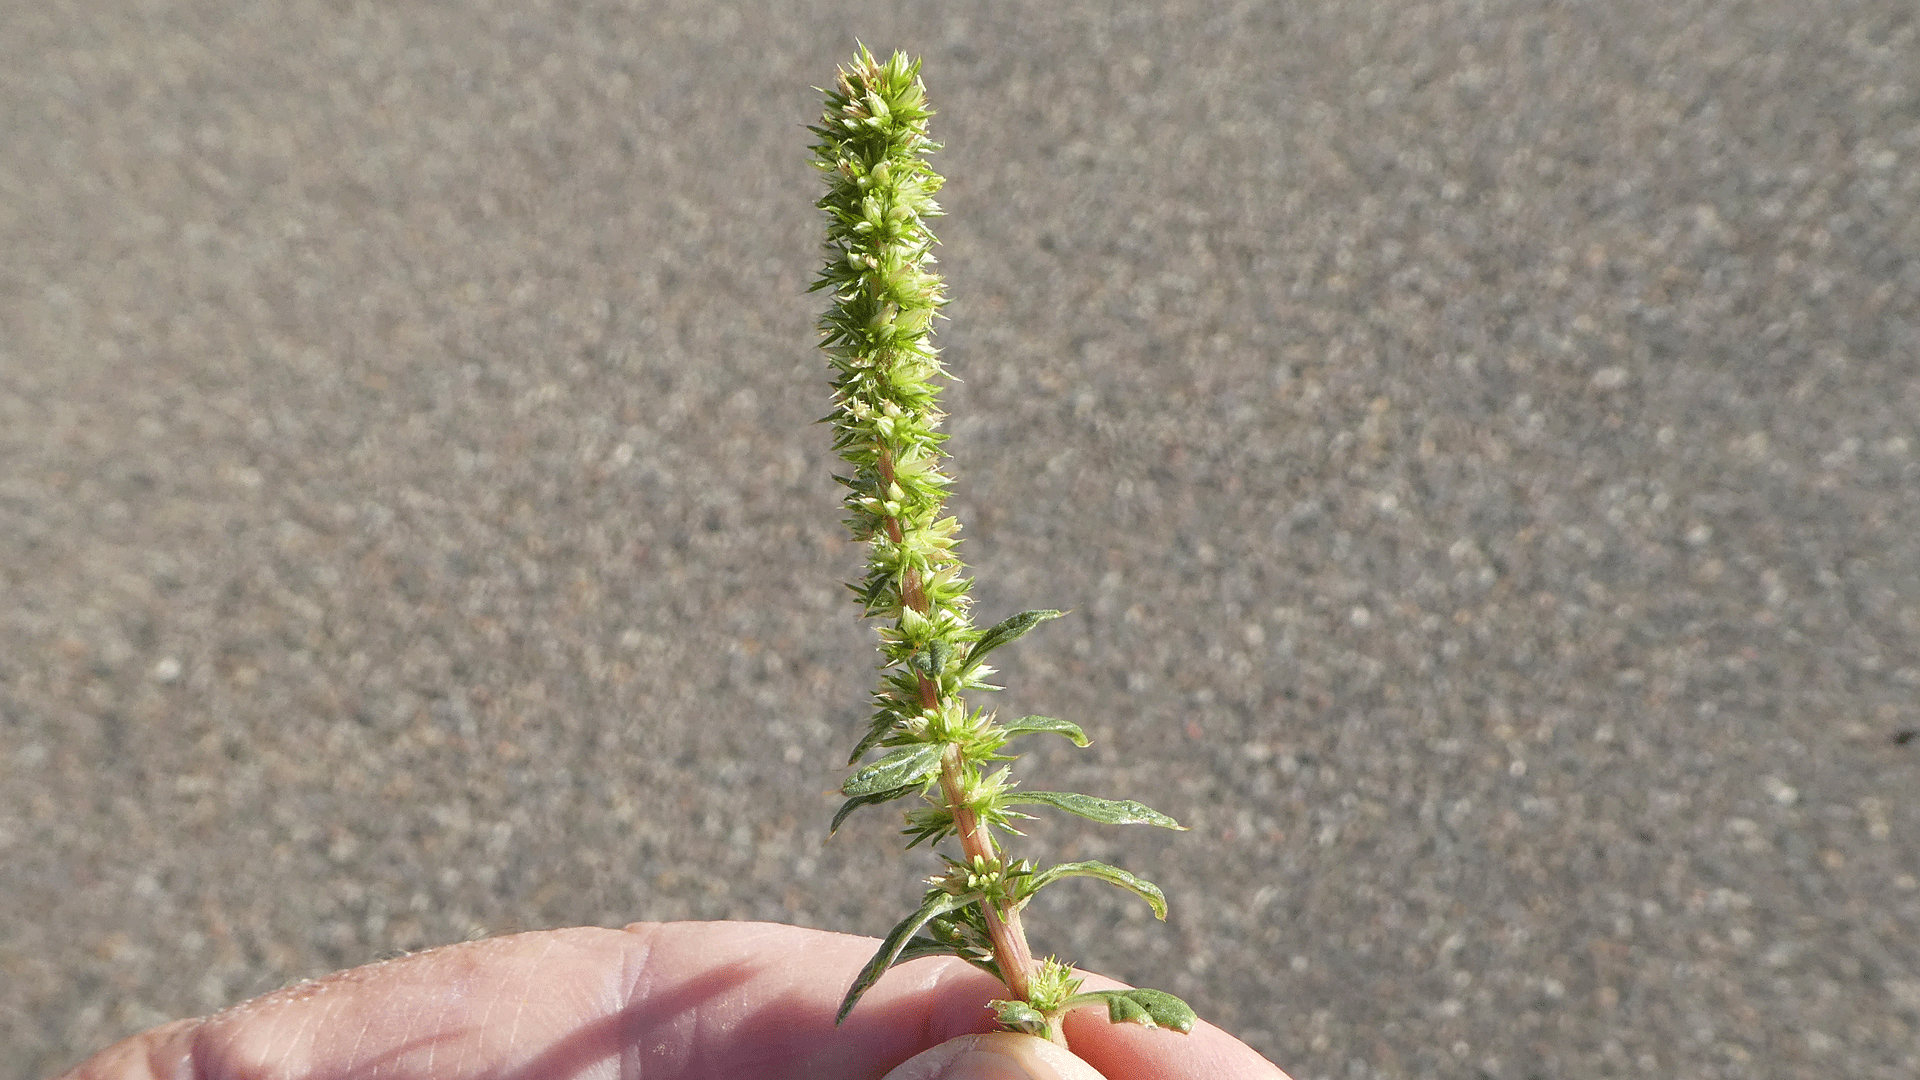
column 999, row 1055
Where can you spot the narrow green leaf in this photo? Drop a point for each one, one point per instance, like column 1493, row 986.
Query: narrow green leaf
column 1147, row 890
column 937, row 903
column 1109, row 811
column 1166, row 1010
column 925, row 946
column 1011, row 628
column 904, row 767
column 878, row 729
column 859, row 801
column 1028, row 725
column 1122, row 1009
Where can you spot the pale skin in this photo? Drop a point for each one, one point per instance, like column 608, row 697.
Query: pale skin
column 659, row 1001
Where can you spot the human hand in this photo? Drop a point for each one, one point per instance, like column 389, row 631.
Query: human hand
column 663, row 1001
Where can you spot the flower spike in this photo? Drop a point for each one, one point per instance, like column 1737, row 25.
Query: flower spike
column 877, row 334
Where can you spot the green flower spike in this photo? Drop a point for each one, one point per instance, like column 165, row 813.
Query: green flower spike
column 886, row 418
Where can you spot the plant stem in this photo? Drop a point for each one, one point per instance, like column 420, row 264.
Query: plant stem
column 1010, row 950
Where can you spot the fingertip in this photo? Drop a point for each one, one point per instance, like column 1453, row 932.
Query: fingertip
column 999, row 1055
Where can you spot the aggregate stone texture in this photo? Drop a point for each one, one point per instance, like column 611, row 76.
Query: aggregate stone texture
column 1477, row 442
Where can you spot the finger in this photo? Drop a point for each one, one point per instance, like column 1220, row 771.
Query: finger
column 676, row 1001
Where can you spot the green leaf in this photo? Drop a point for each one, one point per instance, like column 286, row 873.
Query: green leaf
column 922, row 664
column 1122, row 1009
column 1148, row 1008
column 880, row 729
column 1166, row 1010
column 925, row 946
column 1147, row 890
column 1011, row 628
column 1028, row 725
column 1110, row 811
column 859, row 801
column 905, row 767
column 937, row 903
column 1020, row 1016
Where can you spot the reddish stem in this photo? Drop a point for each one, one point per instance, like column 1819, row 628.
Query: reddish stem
column 1010, row 950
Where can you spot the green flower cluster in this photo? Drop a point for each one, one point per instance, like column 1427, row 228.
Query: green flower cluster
column 886, row 418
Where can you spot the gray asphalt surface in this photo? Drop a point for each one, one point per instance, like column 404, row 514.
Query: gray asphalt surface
column 1477, row 441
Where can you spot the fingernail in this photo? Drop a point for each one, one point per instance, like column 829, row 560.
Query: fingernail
column 997, row 1055
column 994, row 1065
column 1000, row 1055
